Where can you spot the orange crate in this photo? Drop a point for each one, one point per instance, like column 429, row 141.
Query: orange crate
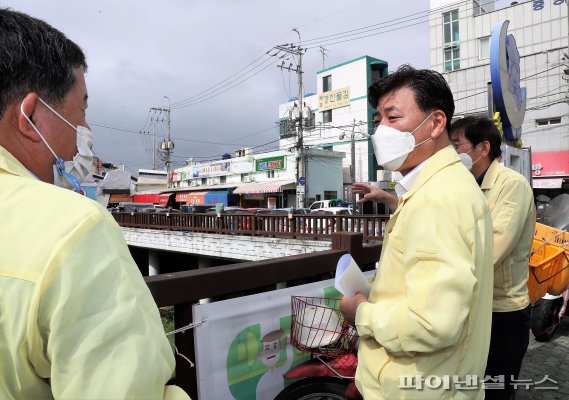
column 546, row 262
column 556, row 236
column 559, row 238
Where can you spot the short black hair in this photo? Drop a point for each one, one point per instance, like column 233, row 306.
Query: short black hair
column 35, row 57
column 478, row 129
column 430, row 88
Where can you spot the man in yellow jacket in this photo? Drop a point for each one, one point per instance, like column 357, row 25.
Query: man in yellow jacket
column 76, row 318
column 510, row 199
column 425, row 329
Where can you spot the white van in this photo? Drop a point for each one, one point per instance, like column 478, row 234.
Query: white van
column 320, row 204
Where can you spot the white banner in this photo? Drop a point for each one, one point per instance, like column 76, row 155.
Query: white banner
column 242, row 349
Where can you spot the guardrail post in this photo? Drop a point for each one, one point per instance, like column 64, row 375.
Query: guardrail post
column 186, row 375
column 352, row 243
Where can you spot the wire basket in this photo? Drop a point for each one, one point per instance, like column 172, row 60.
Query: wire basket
column 317, row 327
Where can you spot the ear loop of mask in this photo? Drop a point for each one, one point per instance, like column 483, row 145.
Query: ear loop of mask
column 420, row 125
column 59, row 163
column 472, row 149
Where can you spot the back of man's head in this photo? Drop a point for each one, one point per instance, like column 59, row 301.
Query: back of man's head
column 430, row 88
column 477, row 130
column 35, row 57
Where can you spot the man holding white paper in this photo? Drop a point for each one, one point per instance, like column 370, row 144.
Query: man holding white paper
column 425, row 328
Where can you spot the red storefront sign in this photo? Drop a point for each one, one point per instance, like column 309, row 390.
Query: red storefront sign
column 550, row 163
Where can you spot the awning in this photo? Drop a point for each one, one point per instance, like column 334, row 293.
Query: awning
column 146, row 198
column 120, row 198
column 547, row 183
column 191, row 197
column 163, row 198
column 268, row 187
column 217, row 196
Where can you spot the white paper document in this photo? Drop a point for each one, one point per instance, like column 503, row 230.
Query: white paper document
column 350, row 278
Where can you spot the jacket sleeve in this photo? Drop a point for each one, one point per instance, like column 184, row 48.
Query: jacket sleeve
column 98, row 325
column 438, row 283
column 509, row 216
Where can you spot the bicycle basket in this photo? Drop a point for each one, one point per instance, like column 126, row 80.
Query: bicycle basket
column 318, row 327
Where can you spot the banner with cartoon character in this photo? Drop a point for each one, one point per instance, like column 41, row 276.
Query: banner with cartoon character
column 242, row 347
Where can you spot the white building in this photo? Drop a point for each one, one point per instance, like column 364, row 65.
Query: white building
column 259, row 180
column 337, row 111
column 459, row 49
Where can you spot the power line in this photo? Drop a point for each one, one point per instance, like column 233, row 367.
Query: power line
column 267, row 63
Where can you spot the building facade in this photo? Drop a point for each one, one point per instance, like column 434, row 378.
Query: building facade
column 460, row 50
column 265, row 180
column 338, row 116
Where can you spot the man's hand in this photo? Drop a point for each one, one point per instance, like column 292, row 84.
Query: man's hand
column 373, row 193
column 349, row 306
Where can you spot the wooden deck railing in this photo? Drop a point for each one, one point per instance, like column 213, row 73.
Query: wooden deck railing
column 293, row 227
column 183, row 289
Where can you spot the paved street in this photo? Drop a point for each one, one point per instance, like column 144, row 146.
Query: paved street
column 549, row 359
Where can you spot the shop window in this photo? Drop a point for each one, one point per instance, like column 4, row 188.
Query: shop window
column 270, row 174
column 327, row 116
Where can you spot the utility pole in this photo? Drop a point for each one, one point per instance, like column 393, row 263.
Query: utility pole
column 324, row 55
column 169, row 148
column 353, row 156
column 300, row 156
column 154, row 167
column 166, row 145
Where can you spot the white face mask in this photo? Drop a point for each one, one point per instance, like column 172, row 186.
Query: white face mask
column 392, row 146
column 69, row 174
column 467, row 160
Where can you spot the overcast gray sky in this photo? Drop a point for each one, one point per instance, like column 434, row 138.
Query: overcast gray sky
column 140, row 51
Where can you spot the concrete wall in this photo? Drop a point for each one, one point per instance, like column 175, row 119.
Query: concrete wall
column 234, row 247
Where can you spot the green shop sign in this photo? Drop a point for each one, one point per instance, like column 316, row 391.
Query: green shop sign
column 268, row 164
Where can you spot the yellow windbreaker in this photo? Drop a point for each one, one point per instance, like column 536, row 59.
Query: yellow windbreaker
column 430, row 308
column 510, row 199
column 77, row 320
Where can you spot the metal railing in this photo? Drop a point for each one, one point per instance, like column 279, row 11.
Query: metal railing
column 183, row 289
column 293, row 227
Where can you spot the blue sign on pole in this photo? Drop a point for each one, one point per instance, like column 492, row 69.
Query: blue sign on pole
column 509, row 97
column 302, row 180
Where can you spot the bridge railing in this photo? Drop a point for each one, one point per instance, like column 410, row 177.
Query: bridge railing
column 183, row 289
column 293, row 227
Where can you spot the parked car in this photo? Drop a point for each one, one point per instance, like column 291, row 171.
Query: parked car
column 317, row 205
column 329, row 223
column 226, row 210
column 294, row 210
column 332, row 211
column 196, row 208
column 138, row 207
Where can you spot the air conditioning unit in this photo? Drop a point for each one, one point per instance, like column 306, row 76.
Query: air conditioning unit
column 193, row 183
column 247, row 179
column 252, row 177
